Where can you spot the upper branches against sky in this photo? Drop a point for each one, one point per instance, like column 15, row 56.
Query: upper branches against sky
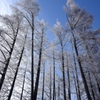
column 32, row 67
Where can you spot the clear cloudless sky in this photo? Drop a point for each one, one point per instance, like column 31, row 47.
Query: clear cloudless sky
column 51, row 10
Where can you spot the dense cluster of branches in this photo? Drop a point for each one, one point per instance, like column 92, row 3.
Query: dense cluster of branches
column 33, row 68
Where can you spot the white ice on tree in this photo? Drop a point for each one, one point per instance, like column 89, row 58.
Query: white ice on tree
column 42, row 24
column 57, row 28
column 71, row 4
column 30, row 6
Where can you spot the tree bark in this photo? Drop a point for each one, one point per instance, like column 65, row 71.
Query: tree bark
column 54, row 95
column 43, row 82
column 79, row 62
column 68, row 74
column 77, row 80
column 21, row 97
column 12, row 86
column 32, row 60
column 7, row 63
column 38, row 70
column 91, row 86
column 58, row 90
column 50, row 83
column 98, row 85
column 75, row 86
column 63, row 72
column 81, row 69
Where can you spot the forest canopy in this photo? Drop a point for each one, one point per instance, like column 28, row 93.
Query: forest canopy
column 34, row 66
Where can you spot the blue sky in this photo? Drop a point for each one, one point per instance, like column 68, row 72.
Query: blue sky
column 53, row 9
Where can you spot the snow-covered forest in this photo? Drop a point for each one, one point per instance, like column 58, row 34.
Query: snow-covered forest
column 36, row 67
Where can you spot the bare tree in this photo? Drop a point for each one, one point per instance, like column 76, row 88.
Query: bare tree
column 43, row 81
column 74, row 10
column 30, row 10
column 23, row 85
column 42, row 26
column 12, row 87
column 54, row 92
column 58, row 30
column 11, row 21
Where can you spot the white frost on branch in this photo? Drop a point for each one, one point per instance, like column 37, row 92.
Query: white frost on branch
column 57, row 28
column 30, row 6
column 71, row 4
column 42, row 24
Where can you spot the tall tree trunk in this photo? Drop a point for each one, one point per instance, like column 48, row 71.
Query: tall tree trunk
column 50, row 84
column 98, row 85
column 75, row 86
column 43, row 82
column 12, row 86
column 79, row 62
column 32, row 60
column 54, row 95
column 81, row 69
column 77, row 80
column 91, row 86
column 63, row 72
column 7, row 63
column 58, row 90
column 78, row 87
column 21, row 97
column 38, row 70
column 69, row 90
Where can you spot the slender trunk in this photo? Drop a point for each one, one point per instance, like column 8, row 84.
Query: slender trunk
column 88, row 52
column 98, row 85
column 32, row 60
column 21, row 97
column 79, row 63
column 38, row 70
column 63, row 72
column 7, row 63
column 50, row 83
column 91, row 86
column 12, row 86
column 69, row 91
column 54, row 96
column 76, row 86
column 81, row 70
column 77, row 80
column 58, row 90
column 43, row 83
